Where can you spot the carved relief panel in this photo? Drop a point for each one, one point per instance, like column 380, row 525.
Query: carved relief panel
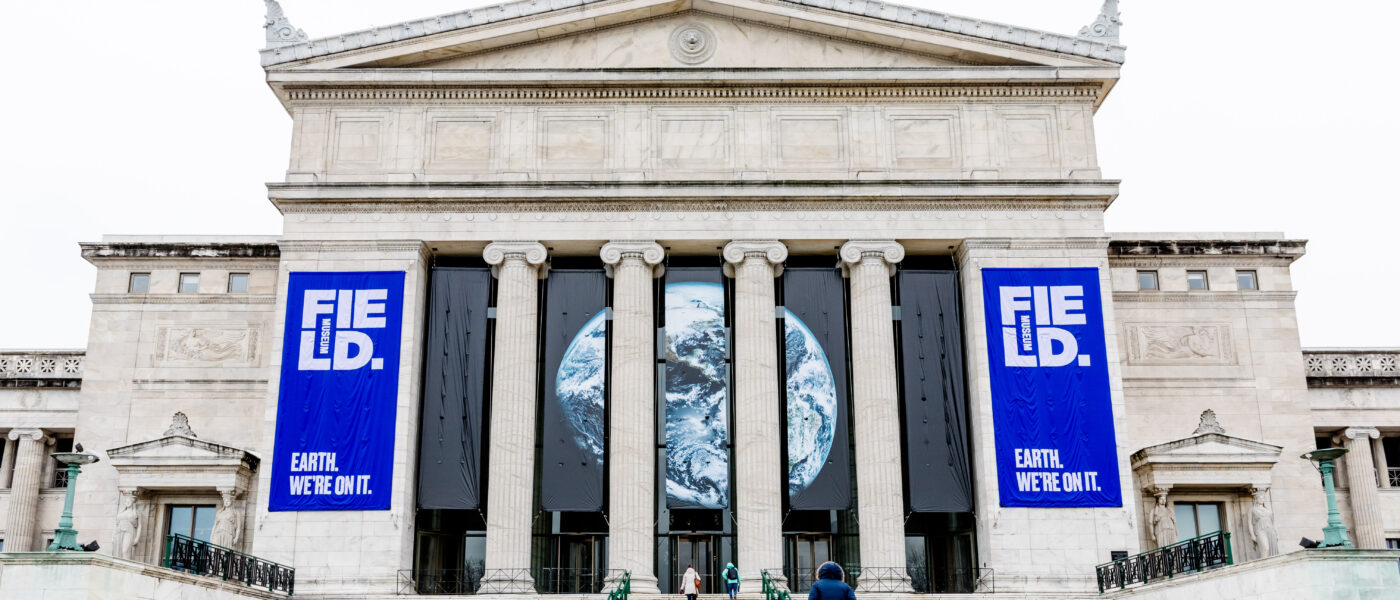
column 225, row 345
column 1181, row 344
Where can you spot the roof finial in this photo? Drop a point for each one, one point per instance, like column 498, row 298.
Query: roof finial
column 1208, row 424
column 280, row 31
column 1105, row 28
column 179, row 423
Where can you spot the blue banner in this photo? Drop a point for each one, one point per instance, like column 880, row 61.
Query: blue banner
column 334, row 448
column 1051, row 410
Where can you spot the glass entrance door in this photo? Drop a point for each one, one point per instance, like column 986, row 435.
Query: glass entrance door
column 580, row 567
column 806, row 553
column 697, row 551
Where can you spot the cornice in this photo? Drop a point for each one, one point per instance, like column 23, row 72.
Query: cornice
column 1203, row 296
column 417, row 247
column 183, row 298
column 95, row 251
column 602, row 211
column 1223, row 251
column 1069, row 243
column 233, row 264
column 1200, row 261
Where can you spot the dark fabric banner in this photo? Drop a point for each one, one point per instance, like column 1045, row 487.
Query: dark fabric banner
column 338, row 393
column 697, row 389
column 1051, row 410
column 454, row 385
column 939, row 474
column 575, row 376
column 814, row 349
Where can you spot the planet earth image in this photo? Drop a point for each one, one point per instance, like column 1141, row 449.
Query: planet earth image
column 697, row 457
column 579, row 385
column 811, row 404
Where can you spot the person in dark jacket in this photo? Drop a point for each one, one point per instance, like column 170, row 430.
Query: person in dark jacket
column 829, row 584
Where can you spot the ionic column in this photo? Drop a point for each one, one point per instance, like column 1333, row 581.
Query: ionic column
column 24, row 491
column 7, row 463
column 1367, row 526
column 1382, row 466
column 518, row 268
column 869, row 265
column 632, row 453
column 758, row 466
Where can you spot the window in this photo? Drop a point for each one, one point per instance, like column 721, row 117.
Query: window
column 189, row 283
column 1248, row 280
column 1196, row 280
column 1390, row 543
column 1195, row 519
column 238, row 283
column 1147, row 280
column 140, row 283
column 60, row 470
column 192, row 520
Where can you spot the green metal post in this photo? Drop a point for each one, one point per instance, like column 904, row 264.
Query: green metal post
column 1334, row 535
column 65, row 537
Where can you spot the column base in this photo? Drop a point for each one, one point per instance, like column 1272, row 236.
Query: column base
column 507, row 581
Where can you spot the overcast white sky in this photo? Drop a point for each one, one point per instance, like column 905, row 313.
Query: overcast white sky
column 152, row 117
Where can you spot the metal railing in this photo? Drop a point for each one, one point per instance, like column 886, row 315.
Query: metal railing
column 1197, row 554
column 771, row 589
column 617, row 583
column 184, row 553
column 1394, row 477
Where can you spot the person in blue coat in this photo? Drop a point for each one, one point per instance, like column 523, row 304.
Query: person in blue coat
column 829, row 584
column 731, row 580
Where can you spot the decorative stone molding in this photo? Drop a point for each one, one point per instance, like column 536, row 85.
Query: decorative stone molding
column 1226, row 252
column 300, row 48
column 652, row 253
column 533, row 254
column 31, row 434
column 176, row 462
column 1206, row 460
column 41, row 369
column 736, row 252
column 1180, row 344
column 1353, row 368
column 224, row 346
column 525, row 94
column 1208, row 424
column 1106, row 27
column 107, row 251
column 1360, row 433
column 692, row 43
column 854, row 251
column 279, row 30
column 179, row 425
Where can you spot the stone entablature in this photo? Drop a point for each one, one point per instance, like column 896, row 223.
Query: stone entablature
column 41, row 368
column 1353, row 367
column 1165, row 250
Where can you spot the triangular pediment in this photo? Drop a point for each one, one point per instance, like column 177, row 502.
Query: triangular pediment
column 649, row 34
column 1209, row 447
column 179, row 449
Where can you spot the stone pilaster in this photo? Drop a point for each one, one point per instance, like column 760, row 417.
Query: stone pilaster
column 1367, row 527
column 758, row 466
column 24, row 490
column 7, row 463
column 518, row 267
column 869, row 265
column 1382, row 465
column 632, row 454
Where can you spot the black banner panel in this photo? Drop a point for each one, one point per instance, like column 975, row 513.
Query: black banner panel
column 939, row 477
column 814, row 350
column 454, row 385
column 697, row 389
column 575, row 377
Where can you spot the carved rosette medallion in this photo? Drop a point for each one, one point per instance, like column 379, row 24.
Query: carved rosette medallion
column 692, row 43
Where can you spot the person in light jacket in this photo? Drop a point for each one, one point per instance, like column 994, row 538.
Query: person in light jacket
column 829, row 584
column 689, row 587
column 731, row 580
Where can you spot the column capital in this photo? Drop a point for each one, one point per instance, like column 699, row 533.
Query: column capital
column 649, row 252
column 888, row 251
column 1358, row 433
column 531, row 253
column 33, row 433
column 738, row 251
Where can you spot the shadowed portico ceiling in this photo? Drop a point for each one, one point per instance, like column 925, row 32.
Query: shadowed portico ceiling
column 943, row 38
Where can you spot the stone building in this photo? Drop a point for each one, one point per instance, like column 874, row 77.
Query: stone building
column 820, row 164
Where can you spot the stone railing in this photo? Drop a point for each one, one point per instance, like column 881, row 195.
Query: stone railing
column 39, row 368
column 1352, row 367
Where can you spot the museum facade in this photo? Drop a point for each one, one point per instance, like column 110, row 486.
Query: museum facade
column 573, row 290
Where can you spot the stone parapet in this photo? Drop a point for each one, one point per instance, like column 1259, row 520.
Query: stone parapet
column 1352, row 367
column 41, row 368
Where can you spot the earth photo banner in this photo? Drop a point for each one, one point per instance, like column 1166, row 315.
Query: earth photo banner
column 338, row 393
column 450, row 446
column 696, row 388
column 1051, row 407
column 814, row 351
column 575, row 336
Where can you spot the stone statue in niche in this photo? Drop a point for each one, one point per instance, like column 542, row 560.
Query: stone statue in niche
column 128, row 531
column 1261, row 526
column 228, row 524
column 1163, row 521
